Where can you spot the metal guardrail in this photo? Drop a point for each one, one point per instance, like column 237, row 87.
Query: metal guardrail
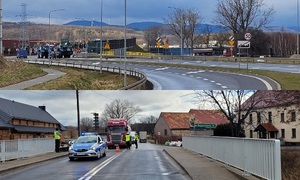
column 255, row 156
column 140, row 84
column 15, row 149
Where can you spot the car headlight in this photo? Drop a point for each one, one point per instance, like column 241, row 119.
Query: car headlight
column 93, row 148
column 71, row 148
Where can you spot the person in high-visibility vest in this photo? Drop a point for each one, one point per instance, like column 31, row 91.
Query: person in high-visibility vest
column 127, row 139
column 57, row 140
column 136, row 138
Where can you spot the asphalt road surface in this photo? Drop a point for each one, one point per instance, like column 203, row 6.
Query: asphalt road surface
column 147, row 162
column 167, row 78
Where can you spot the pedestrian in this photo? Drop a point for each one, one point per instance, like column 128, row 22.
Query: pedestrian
column 57, row 136
column 127, row 138
column 136, row 138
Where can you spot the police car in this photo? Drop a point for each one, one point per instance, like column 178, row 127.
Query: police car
column 88, row 145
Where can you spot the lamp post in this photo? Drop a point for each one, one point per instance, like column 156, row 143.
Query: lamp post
column 181, row 28
column 49, row 20
column 125, row 76
column 297, row 29
column 101, row 38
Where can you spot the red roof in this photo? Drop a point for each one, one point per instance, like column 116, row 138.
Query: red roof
column 209, row 116
column 179, row 120
column 269, row 127
column 272, row 98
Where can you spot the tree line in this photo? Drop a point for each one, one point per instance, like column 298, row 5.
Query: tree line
column 235, row 18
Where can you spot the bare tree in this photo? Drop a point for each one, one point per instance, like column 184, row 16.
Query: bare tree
column 119, row 109
column 151, row 34
column 239, row 15
column 186, row 21
column 230, row 103
column 86, row 124
column 149, row 119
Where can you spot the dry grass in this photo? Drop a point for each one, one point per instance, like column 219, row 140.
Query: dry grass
column 290, row 163
column 12, row 72
column 84, row 80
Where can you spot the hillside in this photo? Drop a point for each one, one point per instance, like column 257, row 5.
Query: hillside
column 71, row 32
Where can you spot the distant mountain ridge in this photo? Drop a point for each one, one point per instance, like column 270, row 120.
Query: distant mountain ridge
column 203, row 28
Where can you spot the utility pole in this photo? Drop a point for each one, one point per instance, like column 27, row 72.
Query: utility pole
column 1, row 36
column 125, row 73
column 78, row 113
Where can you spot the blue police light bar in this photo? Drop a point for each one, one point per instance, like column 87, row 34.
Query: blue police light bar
column 89, row 133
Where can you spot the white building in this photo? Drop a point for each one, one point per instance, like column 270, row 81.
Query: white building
column 276, row 115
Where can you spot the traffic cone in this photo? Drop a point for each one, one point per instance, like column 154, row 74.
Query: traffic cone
column 117, row 149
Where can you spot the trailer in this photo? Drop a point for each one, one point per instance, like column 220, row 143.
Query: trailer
column 143, row 136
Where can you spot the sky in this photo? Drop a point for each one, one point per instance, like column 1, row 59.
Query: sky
column 62, row 104
column 136, row 11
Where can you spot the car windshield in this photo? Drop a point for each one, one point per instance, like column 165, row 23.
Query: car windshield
column 86, row 139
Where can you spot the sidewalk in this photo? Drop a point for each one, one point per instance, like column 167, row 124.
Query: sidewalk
column 197, row 167
column 201, row 167
column 52, row 74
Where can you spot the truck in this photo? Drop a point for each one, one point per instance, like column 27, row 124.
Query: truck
column 143, row 136
column 116, row 131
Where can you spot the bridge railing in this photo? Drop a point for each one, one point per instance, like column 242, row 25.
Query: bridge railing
column 15, row 149
column 140, row 84
column 253, row 156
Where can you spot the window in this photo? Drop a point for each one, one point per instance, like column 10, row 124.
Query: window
column 258, row 118
column 282, row 133
column 293, row 116
column 282, row 117
column 166, row 132
column 251, row 133
column 250, row 119
column 270, row 116
column 272, row 134
column 293, row 133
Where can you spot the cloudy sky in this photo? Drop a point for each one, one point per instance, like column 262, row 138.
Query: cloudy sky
column 137, row 10
column 62, row 104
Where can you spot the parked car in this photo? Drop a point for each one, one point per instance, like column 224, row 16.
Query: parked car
column 88, row 145
column 43, row 51
column 22, row 53
column 64, row 52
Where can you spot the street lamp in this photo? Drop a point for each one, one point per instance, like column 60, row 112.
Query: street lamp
column 181, row 27
column 125, row 77
column 101, row 38
column 49, row 21
column 297, row 29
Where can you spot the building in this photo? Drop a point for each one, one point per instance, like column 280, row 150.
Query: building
column 275, row 115
column 173, row 125
column 22, row 121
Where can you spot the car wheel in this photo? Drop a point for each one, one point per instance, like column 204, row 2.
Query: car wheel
column 71, row 158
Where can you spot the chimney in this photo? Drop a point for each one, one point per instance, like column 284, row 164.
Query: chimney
column 43, row 108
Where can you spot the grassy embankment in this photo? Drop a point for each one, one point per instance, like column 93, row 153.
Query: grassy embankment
column 12, row 72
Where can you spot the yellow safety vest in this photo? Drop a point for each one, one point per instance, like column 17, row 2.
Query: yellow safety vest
column 136, row 137
column 56, row 135
column 127, row 137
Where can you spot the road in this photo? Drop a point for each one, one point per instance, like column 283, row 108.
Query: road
column 147, row 162
column 167, row 78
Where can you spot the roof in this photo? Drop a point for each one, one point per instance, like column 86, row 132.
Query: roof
column 176, row 120
column 266, row 126
column 12, row 109
column 209, row 116
column 179, row 120
column 272, row 98
column 34, row 129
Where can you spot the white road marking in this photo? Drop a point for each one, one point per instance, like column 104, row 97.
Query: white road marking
column 92, row 172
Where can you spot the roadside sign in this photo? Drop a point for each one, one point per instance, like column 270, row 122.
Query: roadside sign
column 158, row 44
column 243, row 44
column 107, row 46
column 248, row 36
column 205, row 125
column 166, row 45
column 231, row 43
column 86, row 41
column 231, row 38
column 158, row 133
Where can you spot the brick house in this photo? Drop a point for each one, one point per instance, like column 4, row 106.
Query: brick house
column 173, row 125
column 22, row 121
column 275, row 116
